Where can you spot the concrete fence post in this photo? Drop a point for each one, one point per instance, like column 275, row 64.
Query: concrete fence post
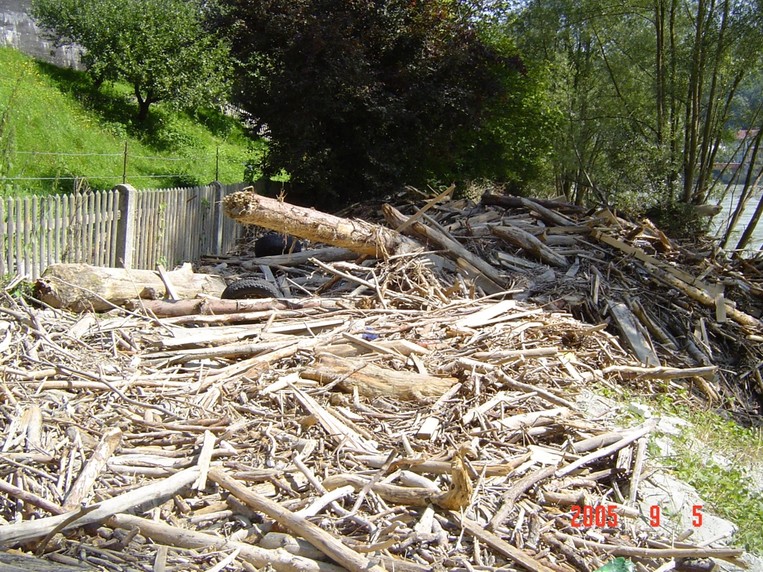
column 218, row 218
column 126, row 224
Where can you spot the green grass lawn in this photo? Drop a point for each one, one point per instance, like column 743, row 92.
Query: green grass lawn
column 55, row 128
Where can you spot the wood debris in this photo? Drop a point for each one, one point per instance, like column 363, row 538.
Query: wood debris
column 423, row 410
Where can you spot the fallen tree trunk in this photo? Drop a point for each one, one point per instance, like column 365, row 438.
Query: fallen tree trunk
column 373, row 381
column 81, row 287
column 235, row 310
column 325, row 254
column 356, row 235
column 513, row 202
column 529, row 243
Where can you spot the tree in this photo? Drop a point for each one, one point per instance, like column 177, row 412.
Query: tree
column 359, row 97
column 158, row 46
column 647, row 90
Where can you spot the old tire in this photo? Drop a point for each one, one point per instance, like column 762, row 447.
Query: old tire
column 250, row 288
column 274, row 244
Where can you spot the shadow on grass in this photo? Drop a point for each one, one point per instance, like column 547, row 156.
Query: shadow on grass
column 117, row 108
column 111, row 107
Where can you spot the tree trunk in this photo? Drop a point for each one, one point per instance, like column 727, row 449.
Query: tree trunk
column 143, row 103
column 659, row 66
column 674, row 103
column 693, row 104
column 143, row 110
column 81, row 287
column 744, row 240
column 356, row 235
column 747, row 190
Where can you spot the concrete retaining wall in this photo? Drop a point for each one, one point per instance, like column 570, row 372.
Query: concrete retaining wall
column 17, row 29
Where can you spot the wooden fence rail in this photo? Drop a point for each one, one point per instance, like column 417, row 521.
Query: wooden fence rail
column 120, row 227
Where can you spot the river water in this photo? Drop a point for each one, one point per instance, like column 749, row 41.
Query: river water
column 729, row 203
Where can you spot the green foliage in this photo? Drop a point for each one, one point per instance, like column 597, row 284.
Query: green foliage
column 361, row 97
column 645, row 92
column 8, row 104
column 159, row 47
column 715, row 455
column 726, row 488
column 62, row 127
column 678, row 220
column 618, row 565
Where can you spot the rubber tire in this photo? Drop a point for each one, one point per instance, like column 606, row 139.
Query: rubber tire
column 274, row 244
column 248, row 288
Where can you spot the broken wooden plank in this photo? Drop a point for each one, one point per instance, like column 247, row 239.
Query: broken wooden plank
column 634, row 335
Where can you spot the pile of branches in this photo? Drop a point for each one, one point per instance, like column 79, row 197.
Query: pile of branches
column 428, row 410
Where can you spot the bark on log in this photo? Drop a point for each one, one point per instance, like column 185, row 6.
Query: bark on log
column 27, row 563
column 237, row 310
column 374, row 381
column 325, row 254
column 165, row 534
column 512, row 202
column 357, row 235
column 137, row 500
column 741, row 318
column 81, row 287
column 529, row 243
column 314, row 534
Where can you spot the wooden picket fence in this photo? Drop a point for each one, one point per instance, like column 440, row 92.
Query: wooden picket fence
column 122, row 227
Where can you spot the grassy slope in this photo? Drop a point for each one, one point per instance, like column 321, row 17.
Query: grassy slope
column 46, row 111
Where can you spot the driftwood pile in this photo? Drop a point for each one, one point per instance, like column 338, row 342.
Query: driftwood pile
column 399, row 411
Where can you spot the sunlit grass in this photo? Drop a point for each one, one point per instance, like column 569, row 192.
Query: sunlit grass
column 57, row 133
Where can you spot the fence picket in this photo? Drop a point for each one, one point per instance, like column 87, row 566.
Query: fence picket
column 24, row 223
column 12, row 235
column 45, row 230
column 111, row 218
column 144, row 209
column 3, row 235
column 171, row 226
column 112, row 207
column 181, row 234
column 97, row 229
column 78, row 243
column 67, row 229
column 34, row 224
column 160, row 223
column 169, row 236
column 152, row 225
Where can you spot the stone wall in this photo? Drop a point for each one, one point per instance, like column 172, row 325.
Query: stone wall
column 18, row 30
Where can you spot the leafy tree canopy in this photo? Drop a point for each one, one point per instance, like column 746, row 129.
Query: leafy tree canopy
column 647, row 92
column 157, row 46
column 362, row 96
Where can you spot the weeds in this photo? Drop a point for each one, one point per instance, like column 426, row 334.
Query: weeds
column 716, row 456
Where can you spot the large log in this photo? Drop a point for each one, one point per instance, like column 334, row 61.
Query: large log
column 81, row 287
column 373, row 381
column 529, row 243
column 356, row 235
